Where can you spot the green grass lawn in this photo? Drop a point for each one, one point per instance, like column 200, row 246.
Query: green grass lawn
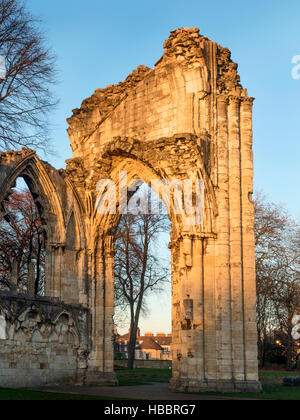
column 142, row 376
column 264, row 374
column 271, row 382
column 272, row 387
column 27, row 395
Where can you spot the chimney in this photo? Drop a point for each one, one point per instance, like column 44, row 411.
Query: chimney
column 160, row 335
column 138, row 332
column 149, row 334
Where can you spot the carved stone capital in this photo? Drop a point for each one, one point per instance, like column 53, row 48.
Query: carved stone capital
column 246, row 101
column 234, row 100
column 192, row 236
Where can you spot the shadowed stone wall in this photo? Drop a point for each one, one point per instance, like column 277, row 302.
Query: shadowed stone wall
column 42, row 341
column 145, row 364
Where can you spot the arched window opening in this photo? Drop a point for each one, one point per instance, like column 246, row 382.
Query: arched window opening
column 142, row 275
column 22, row 244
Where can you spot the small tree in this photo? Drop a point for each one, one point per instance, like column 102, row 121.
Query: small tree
column 25, row 96
column 138, row 270
column 278, row 276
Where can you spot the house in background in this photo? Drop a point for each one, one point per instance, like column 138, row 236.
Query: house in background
column 148, row 347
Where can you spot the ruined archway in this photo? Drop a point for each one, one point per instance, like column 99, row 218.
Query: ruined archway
column 188, row 118
column 59, row 211
column 136, row 126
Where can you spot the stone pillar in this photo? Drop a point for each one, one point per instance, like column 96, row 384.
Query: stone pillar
column 14, row 276
column 53, row 270
column 176, row 348
column 223, row 278
column 242, row 260
column 100, row 369
column 209, row 300
column 188, row 311
column 31, row 279
column 109, row 254
column 237, row 298
column 251, row 359
column 3, row 335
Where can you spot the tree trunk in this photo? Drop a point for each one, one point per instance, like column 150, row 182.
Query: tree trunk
column 132, row 342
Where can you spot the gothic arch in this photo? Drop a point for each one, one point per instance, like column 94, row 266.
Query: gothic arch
column 27, row 165
column 58, row 204
column 187, row 118
column 137, row 160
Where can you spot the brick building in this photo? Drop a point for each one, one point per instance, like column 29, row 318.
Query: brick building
column 148, row 347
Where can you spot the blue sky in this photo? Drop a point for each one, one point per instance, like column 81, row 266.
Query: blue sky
column 100, row 42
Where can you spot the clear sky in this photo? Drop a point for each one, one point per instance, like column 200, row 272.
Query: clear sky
column 100, row 42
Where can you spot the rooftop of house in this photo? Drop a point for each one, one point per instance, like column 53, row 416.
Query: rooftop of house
column 148, row 343
column 161, row 339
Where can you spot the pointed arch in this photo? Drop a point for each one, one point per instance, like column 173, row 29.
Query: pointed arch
column 44, row 191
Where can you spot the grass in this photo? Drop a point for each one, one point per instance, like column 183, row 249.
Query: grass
column 271, row 382
column 272, row 387
column 27, row 395
column 142, row 376
column 263, row 374
column 270, row 392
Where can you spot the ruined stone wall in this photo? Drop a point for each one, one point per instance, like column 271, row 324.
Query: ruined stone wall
column 145, row 364
column 189, row 117
column 60, row 214
column 42, row 341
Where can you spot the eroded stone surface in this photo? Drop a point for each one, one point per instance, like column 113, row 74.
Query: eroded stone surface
column 187, row 118
column 42, row 341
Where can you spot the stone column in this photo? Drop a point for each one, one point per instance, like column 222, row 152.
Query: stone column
column 13, row 282
column 237, row 298
column 109, row 254
column 53, row 270
column 209, row 300
column 100, row 369
column 248, row 244
column 95, row 364
column 223, row 278
column 176, row 348
column 31, row 279
column 188, row 348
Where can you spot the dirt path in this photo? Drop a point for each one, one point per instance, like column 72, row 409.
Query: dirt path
column 154, row 391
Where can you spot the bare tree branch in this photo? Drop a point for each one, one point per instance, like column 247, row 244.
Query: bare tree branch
column 25, row 96
column 137, row 269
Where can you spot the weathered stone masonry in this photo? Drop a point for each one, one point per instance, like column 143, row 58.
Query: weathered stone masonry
column 188, row 118
column 44, row 341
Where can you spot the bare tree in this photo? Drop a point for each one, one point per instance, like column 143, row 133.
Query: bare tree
column 25, row 96
column 22, row 243
column 138, row 270
column 278, row 276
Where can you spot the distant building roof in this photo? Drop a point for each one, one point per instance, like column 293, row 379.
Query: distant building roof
column 163, row 341
column 148, row 343
column 160, row 339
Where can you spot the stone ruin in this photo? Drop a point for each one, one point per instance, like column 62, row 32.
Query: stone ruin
column 187, row 118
